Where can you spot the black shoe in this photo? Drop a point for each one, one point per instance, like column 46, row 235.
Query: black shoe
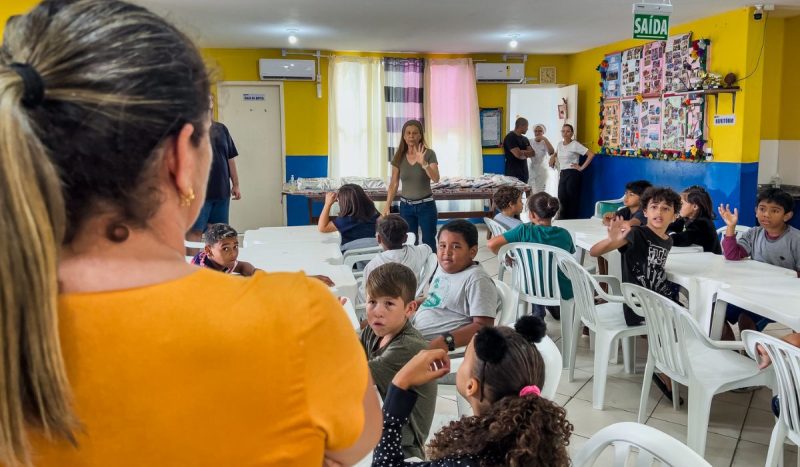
column 663, row 387
column 776, row 406
column 555, row 312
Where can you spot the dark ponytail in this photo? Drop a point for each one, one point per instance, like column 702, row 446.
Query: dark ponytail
column 515, row 430
column 543, row 205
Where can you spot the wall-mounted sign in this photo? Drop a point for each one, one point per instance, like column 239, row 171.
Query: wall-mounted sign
column 647, row 26
column 253, row 97
column 725, row 120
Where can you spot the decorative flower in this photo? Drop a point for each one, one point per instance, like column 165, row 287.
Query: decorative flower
column 639, row 98
column 693, row 151
column 694, row 54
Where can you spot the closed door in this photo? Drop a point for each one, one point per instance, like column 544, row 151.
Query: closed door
column 252, row 114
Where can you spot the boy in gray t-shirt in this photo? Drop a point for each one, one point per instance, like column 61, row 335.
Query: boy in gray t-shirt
column 773, row 241
column 462, row 297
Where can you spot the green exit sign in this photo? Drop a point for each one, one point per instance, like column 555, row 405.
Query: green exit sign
column 650, row 26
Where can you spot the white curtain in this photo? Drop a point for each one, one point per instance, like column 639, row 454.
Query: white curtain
column 452, row 121
column 356, row 124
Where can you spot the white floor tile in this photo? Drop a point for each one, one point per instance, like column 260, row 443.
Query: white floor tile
column 719, row 449
column 490, row 265
column 589, row 421
column 750, row 454
column 571, row 388
column 758, row 426
column 622, row 394
column 725, row 419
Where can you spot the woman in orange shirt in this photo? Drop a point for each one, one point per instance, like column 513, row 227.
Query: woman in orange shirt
column 113, row 350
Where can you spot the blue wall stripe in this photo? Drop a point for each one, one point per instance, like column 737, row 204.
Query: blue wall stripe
column 605, row 178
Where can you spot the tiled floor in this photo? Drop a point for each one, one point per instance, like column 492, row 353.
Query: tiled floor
column 739, row 427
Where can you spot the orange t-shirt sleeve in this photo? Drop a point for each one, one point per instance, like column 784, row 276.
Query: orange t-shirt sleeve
column 336, row 369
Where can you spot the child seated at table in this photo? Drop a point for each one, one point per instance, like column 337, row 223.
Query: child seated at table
column 541, row 209
column 773, row 241
column 222, row 250
column 644, row 250
column 501, row 377
column 508, row 200
column 632, row 211
column 696, row 224
column 390, row 341
column 462, row 297
column 392, row 234
column 356, row 219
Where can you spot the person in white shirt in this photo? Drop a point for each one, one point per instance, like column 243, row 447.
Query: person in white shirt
column 392, row 233
column 537, row 165
column 568, row 154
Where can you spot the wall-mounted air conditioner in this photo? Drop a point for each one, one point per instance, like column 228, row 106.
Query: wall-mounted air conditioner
column 289, row 70
column 500, row 72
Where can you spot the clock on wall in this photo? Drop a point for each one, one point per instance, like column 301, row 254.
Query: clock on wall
column 547, row 75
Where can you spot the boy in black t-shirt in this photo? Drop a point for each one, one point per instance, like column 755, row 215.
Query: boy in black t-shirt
column 644, row 249
column 633, row 210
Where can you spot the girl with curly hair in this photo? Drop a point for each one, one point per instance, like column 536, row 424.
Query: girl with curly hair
column 501, row 377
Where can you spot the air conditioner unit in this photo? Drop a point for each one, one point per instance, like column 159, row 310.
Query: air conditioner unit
column 500, row 72
column 289, row 70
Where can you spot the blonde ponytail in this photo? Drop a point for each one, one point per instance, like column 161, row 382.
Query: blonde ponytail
column 35, row 390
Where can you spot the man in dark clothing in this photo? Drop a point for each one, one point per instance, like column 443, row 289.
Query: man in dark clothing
column 223, row 181
column 517, row 150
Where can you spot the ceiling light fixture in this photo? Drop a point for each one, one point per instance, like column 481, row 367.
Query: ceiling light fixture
column 513, row 42
column 292, row 36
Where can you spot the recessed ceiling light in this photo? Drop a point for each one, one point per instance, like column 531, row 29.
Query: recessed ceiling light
column 292, row 36
column 513, row 42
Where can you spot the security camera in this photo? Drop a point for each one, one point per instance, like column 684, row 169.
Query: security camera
column 759, row 12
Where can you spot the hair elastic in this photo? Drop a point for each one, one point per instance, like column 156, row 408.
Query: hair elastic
column 528, row 390
column 33, row 83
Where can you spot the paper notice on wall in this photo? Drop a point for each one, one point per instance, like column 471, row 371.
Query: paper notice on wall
column 694, row 124
column 631, row 72
column 489, row 127
column 253, row 97
column 650, row 124
column 611, row 86
column 725, row 120
column 673, row 124
column 611, row 123
column 653, row 67
column 629, row 125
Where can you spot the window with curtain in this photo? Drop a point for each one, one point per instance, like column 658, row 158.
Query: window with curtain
column 452, row 122
column 356, row 129
column 403, row 96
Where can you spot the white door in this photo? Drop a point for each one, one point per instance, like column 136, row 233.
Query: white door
column 540, row 104
column 253, row 114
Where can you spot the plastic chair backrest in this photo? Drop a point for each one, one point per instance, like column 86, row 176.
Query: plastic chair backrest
column 426, row 273
column 188, row 244
column 411, row 238
column 666, row 340
column 495, row 227
column 608, row 205
column 583, row 288
column 786, row 363
column 535, row 271
column 552, row 366
column 356, row 255
column 509, row 299
column 653, row 447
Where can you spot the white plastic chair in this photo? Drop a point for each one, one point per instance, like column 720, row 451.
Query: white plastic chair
column 607, row 321
column 356, row 255
column 786, row 367
column 739, row 231
column 679, row 349
column 534, row 272
column 598, row 205
column 654, row 447
column 497, row 229
column 196, row 245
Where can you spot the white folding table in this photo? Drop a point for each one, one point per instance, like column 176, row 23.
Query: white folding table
column 298, row 234
column 775, row 298
column 704, row 275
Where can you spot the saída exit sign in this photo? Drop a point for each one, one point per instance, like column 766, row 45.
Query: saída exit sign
column 650, row 26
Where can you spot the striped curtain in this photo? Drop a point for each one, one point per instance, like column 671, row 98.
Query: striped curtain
column 403, row 96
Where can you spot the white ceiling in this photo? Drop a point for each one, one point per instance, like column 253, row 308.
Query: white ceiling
column 443, row 26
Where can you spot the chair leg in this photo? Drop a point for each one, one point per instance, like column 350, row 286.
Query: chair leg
column 676, row 395
column 646, row 383
column 776, row 445
column 591, row 339
column 573, row 351
column 602, row 350
column 699, row 411
column 614, row 355
column 628, row 354
column 567, row 325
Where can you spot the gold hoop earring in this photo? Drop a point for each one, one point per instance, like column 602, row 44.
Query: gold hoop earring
column 187, row 198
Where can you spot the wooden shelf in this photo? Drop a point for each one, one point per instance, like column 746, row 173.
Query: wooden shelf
column 715, row 92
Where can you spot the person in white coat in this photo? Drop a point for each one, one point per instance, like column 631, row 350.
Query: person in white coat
column 537, row 165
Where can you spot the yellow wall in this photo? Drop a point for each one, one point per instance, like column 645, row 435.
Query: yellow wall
column 306, row 116
column 790, row 97
column 735, row 40
column 772, row 61
column 10, row 8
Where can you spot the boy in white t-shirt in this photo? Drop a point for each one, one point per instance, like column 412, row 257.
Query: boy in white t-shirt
column 392, row 233
column 462, row 297
column 508, row 200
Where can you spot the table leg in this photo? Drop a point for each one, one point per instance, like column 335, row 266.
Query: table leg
column 310, row 211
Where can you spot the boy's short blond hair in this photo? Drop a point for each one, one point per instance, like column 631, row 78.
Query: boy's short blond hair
column 392, row 280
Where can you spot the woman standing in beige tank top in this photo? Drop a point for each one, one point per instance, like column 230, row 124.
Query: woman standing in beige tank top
column 416, row 166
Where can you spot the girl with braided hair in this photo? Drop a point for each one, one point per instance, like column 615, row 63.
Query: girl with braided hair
column 500, row 377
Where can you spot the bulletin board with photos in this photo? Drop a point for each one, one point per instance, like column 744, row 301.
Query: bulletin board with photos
column 640, row 113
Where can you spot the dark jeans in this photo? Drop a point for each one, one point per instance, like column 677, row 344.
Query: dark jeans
column 569, row 193
column 213, row 212
column 732, row 313
column 421, row 216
